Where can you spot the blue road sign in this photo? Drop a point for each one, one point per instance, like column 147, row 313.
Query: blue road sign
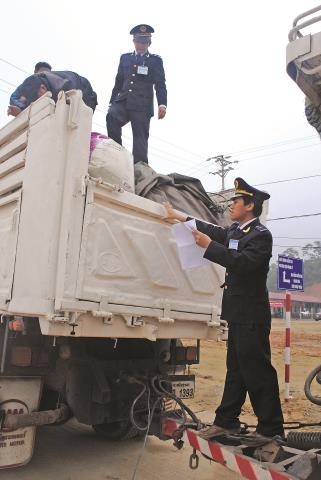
column 290, row 273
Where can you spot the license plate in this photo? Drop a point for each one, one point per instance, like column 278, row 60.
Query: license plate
column 183, row 389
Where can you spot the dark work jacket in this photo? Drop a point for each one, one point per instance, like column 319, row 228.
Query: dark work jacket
column 138, row 89
column 245, row 297
column 55, row 82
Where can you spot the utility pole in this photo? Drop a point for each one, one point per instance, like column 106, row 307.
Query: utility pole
column 224, row 166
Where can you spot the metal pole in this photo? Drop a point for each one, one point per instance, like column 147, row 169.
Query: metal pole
column 287, row 350
column 223, row 177
column 4, row 346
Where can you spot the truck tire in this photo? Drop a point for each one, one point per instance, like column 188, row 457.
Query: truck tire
column 120, row 430
column 315, row 374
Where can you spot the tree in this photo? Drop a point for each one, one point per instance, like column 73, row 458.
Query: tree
column 291, row 252
column 312, row 250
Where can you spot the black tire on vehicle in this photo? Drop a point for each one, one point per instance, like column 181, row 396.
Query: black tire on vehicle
column 315, row 373
column 120, row 430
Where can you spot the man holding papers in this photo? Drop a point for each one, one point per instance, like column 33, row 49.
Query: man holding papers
column 244, row 249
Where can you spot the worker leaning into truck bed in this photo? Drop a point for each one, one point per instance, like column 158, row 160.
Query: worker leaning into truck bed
column 17, row 99
column 38, row 84
column 244, row 249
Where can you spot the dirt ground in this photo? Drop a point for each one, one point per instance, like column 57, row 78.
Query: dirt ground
column 305, row 355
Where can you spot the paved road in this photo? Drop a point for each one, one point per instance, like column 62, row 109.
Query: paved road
column 74, row 452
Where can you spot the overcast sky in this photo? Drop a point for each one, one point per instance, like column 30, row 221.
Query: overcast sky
column 228, row 92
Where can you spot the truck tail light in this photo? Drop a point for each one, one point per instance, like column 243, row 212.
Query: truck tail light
column 16, row 325
column 186, row 355
column 22, row 356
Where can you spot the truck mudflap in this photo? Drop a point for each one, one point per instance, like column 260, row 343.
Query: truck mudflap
column 18, row 396
column 296, row 464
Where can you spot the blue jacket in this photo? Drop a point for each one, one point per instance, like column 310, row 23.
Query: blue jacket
column 14, row 99
column 138, row 88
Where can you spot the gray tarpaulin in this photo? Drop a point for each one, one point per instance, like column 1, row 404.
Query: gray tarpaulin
column 186, row 194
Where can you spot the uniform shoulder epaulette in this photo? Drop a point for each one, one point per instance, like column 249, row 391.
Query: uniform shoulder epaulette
column 261, row 228
column 125, row 54
column 155, row 55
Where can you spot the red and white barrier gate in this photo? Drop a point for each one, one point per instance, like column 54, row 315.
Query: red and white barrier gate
column 287, row 351
column 247, row 467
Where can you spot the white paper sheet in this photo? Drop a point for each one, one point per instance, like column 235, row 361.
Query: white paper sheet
column 190, row 254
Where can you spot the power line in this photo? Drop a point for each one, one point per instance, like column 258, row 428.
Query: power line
column 294, row 216
column 299, row 238
column 8, row 83
column 272, row 145
column 281, row 151
column 287, row 180
column 295, row 246
column 14, row 66
column 178, row 146
column 265, row 147
column 256, row 158
column 179, row 159
column 284, row 180
column 4, row 91
column 265, row 156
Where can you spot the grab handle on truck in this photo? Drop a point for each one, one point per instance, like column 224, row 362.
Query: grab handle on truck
column 295, row 31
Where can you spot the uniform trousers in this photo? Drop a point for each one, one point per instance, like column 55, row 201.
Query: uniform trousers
column 249, row 370
column 118, row 115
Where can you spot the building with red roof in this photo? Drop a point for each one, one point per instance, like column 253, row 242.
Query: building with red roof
column 303, row 304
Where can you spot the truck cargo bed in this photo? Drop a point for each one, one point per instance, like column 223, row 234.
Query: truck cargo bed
column 86, row 257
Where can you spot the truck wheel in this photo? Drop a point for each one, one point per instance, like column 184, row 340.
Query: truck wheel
column 315, row 374
column 121, row 430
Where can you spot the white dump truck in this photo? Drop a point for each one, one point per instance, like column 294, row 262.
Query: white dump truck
column 93, row 298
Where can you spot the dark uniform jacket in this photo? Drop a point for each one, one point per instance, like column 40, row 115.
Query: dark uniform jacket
column 245, row 297
column 137, row 88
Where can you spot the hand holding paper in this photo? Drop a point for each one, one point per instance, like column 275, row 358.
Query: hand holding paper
column 190, row 254
column 201, row 239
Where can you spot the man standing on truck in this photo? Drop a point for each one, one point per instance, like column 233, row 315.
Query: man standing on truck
column 17, row 99
column 47, row 81
column 132, row 98
column 244, row 249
